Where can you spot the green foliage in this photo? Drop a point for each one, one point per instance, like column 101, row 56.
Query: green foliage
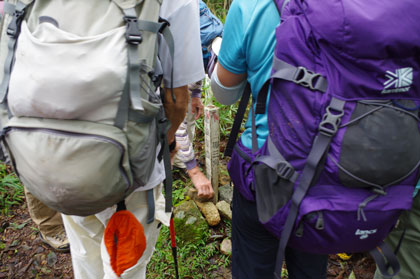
column 195, row 260
column 178, row 186
column 219, row 8
column 11, row 190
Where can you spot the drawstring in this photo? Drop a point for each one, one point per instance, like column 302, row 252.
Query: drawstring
column 360, row 211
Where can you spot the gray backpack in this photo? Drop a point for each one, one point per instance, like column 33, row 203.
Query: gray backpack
column 80, row 117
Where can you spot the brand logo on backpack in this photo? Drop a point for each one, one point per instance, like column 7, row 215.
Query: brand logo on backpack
column 398, row 82
column 365, row 233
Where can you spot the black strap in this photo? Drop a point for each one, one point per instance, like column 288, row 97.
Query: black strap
column 163, row 126
column 121, row 206
column 150, row 206
column 313, row 163
column 397, row 249
column 238, row 120
column 262, row 98
column 385, row 259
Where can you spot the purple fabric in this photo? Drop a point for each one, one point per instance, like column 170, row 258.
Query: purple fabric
column 196, row 93
column 191, row 164
column 356, row 46
column 239, row 170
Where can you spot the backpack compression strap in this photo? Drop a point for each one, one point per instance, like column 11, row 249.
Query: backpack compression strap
column 327, row 130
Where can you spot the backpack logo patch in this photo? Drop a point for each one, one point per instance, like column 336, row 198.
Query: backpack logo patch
column 365, row 233
column 398, row 82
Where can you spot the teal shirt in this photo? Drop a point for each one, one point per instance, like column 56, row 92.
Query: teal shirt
column 417, row 189
column 247, row 47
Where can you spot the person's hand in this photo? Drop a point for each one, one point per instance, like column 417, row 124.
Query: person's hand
column 201, row 183
column 197, row 107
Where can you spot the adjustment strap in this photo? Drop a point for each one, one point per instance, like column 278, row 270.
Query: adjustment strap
column 277, row 162
column 313, row 163
column 150, row 206
column 385, row 259
column 163, row 127
column 299, row 75
column 134, row 38
column 169, row 39
column 123, row 107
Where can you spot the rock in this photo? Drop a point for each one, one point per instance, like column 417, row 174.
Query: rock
column 226, row 193
column 210, row 212
column 52, row 259
column 26, row 247
column 39, row 258
column 226, row 247
column 190, row 226
column 192, row 194
column 224, row 209
column 39, row 250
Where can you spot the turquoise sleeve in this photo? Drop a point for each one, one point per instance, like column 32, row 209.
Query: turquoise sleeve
column 232, row 56
column 417, row 189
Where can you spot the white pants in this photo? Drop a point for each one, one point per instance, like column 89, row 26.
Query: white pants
column 89, row 256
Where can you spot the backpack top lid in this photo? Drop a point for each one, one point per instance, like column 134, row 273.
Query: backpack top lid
column 367, row 29
column 365, row 49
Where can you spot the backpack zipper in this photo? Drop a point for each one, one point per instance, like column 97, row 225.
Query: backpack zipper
column 319, row 224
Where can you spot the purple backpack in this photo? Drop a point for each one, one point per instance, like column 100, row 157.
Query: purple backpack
column 343, row 152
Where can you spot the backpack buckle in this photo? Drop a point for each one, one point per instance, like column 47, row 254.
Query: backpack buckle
column 133, row 34
column 330, row 121
column 306, row 78
column 284, row 171
column 13, row 29
column 165, row 24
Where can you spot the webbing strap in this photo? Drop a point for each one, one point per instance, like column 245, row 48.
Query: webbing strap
column 254, row 131
column 168, row 175
column 385, row 259
column 169, row 39
column 238, row 120
column 134, row 38
column 123, row 108
column 150, row 206
column 163, row 127
column 313, row 163
column 299, row 75
column 13, row 31
column 277, row 162
column 9, row 8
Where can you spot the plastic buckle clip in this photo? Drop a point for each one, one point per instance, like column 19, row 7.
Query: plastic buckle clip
column 284, row 170
column 13, row 29
column 306, row 78
column 330, row 121
column 164, row 25
column 133, row 34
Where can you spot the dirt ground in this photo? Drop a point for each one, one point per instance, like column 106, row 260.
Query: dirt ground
column 23, row 255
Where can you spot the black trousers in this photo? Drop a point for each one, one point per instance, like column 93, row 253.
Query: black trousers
column 254, row 249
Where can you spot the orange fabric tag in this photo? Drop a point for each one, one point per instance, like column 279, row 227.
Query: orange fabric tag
column 124, row 240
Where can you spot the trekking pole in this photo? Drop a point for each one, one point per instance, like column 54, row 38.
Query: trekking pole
column 173, row 245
